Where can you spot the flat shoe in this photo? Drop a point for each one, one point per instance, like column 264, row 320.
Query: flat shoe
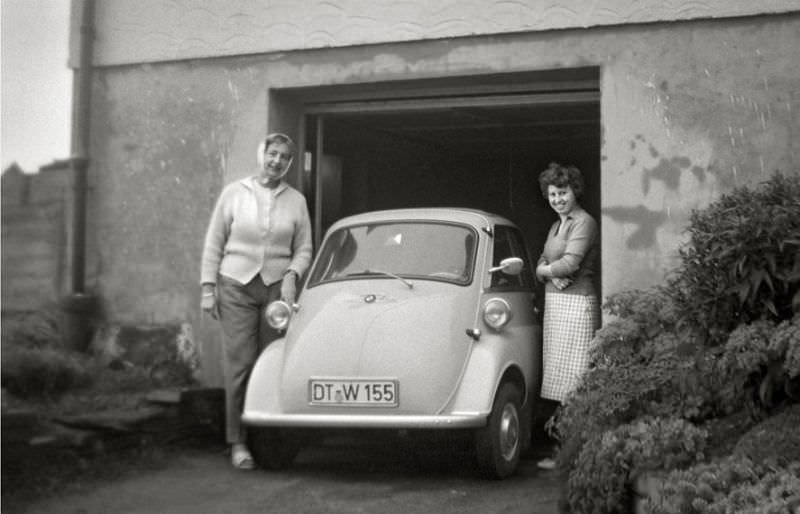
column 546, row 464
column 241, row 458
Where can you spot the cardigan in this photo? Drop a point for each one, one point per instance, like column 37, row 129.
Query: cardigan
column 239, row 246
column 571, row 251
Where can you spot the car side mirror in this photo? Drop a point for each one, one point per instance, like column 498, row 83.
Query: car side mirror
column 509, row 266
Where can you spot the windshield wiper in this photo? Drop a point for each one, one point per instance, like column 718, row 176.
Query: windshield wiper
column 381, row 272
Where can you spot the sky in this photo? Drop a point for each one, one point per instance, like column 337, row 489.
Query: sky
column 36, row 93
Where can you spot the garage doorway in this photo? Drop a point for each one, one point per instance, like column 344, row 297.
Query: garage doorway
column 477, row 142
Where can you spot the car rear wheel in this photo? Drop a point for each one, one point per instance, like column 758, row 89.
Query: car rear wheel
column 499, row 444
column 272, row 448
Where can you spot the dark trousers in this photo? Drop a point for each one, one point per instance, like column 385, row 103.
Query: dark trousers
column 245, row 334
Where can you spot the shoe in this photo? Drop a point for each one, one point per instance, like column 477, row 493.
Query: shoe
column 546, row 464
column 241, row 458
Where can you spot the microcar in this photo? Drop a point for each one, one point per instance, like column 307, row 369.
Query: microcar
column 409, row 319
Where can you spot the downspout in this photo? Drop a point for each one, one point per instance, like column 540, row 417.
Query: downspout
column 79, row 307
column 79, row 161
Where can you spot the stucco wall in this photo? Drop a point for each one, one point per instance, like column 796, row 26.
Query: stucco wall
column 135, row 31
column 689, row 110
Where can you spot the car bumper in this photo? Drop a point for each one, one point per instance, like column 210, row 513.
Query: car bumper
column 451, row 421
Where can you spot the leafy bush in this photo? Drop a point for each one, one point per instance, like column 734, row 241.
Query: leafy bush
column 28, row 372
column 639, row 367
column 36, row 329
column 742, row 260
column 784, row 346
column 734, row 484
column 720, row 342
column 758, row 360
column 774, row 441
column 607, row 463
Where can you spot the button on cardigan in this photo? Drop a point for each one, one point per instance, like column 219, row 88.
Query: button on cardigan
column 238, row 246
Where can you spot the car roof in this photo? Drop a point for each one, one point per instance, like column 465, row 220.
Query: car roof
column 474, row 217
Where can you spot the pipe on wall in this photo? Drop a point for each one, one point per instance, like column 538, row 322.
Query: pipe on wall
column 79, row 161
column 78, row 307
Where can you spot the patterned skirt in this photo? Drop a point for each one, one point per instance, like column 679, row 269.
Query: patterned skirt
column 570, row 322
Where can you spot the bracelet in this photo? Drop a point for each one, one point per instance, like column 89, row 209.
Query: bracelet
column 206, row 295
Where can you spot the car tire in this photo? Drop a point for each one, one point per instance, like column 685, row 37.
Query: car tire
column 271, row 448
column 498, row 445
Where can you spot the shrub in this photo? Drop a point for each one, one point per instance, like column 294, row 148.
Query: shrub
column 734, row 484
column 719, row 342
column 608, row 462
column 742, row 260
column 639, row 368
column 784, row 345
column 29, row 372
column 758, row 364
column 36, row 329
column 774, row 441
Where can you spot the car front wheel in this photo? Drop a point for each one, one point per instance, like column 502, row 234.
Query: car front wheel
column 498, row 444
column 272, row 448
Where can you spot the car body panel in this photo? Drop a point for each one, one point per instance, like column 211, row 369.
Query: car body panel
column 377, row 327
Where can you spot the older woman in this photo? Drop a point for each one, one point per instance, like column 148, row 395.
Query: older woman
column 257, row 245
column 567, row 266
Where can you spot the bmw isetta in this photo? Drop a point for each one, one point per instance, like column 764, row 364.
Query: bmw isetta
column 410, row 319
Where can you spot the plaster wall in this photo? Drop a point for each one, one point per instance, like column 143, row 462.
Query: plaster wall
column 135, row 31
column 689, row 111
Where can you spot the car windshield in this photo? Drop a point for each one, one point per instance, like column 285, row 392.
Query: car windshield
column 404, row 250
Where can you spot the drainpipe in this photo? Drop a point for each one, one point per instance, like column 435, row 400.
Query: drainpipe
column 78, row 306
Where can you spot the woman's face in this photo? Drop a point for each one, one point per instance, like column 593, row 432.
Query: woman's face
column 562, row 199
column 277, row 158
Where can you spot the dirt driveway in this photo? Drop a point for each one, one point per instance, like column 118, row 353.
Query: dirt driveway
column 337, row 476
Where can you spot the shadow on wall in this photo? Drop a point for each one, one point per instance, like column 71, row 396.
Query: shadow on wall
column 668, row 170
column 646, row 221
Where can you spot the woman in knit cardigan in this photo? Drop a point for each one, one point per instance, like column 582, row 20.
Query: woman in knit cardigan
column 257, row 245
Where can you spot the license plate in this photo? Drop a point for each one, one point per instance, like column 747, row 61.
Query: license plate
column 353, row 392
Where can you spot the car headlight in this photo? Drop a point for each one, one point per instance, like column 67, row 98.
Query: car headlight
column 278, row 314
column 496, row 313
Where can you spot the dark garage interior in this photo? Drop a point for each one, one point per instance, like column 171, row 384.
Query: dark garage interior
column 469, row 142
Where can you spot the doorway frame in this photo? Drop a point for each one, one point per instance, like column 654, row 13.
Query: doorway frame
column 538, row 87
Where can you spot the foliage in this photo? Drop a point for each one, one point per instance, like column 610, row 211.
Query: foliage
column 37, row 367
column 774, row 441
column 758, row 360
column 28, row 372
column 784, row 345
column 733, row 484
column 639, row 367
column 742, row 260
column 36, row 329
column 646, row 364
column 606, row 464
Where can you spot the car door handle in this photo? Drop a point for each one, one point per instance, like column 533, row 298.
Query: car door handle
column 474, row 333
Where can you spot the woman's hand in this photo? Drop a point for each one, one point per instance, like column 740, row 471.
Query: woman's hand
column 209, row 304
column 543, row 271
column 561, row 283
column 289, row 287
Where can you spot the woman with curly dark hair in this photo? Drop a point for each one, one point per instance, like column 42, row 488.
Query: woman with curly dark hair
column 567, row 267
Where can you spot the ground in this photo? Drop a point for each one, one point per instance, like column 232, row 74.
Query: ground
column 343, row 474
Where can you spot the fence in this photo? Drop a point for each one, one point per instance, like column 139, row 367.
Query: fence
column 36, row 210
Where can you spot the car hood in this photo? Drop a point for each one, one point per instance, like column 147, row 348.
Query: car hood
column 381, row 331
